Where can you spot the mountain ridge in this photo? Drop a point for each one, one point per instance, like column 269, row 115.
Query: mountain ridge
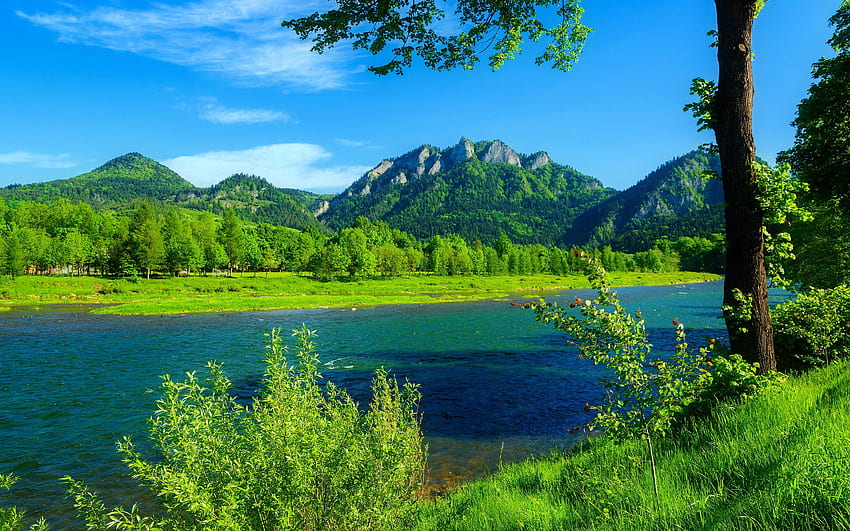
column 478, row 190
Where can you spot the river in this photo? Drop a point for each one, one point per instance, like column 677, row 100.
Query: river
column 496, row 384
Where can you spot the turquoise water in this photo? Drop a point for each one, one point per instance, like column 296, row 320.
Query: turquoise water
column 495, row 383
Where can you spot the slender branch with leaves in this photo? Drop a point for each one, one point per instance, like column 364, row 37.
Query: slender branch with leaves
column 644, row 395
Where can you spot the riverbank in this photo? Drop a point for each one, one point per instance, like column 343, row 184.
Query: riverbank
column 288, row 291
column 779, row 461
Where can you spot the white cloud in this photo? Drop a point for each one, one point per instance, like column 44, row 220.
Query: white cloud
column 38, row 160
column 301, row 166
column 350, row 143
column 212, row 111
column 241, row 39
column 356, row 143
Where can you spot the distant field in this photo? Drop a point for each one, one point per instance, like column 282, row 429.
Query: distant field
column 287, row 291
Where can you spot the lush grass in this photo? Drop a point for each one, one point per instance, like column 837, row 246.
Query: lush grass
column 281, row 291
column 779, row 461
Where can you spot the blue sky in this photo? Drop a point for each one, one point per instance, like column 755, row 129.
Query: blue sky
column 215, row 87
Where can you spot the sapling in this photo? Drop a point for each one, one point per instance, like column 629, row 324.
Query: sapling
column 643, row 395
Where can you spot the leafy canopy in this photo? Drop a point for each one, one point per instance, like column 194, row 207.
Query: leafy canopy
column 410, row 28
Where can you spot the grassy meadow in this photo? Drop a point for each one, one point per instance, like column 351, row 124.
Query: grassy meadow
column 288, row 291
column 778, row 461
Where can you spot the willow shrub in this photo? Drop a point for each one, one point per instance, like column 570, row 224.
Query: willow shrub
column 301, row 456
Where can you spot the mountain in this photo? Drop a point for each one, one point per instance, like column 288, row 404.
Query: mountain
column 476, row 190
column 675, row 200
column 119, row 181
column 133, row 177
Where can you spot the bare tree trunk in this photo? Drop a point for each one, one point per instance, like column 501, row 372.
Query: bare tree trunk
column 733, row 116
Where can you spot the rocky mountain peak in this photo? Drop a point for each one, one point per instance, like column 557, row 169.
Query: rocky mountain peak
column 498, row 151
column 539, row 159
column 427, row 160
column 462, row 151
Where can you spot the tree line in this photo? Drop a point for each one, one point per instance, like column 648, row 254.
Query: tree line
column 65, row 237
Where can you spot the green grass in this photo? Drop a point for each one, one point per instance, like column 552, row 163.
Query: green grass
column 778, row 461
column 284, row 291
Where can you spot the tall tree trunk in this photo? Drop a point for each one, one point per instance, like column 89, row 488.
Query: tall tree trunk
column 751, row 337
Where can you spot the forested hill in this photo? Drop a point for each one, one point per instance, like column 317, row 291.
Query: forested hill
column 677, row 199
column 133, row 177
column 477, row 191
column 119, row 181
column 255, row 199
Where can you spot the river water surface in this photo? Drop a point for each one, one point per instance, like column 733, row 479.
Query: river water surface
column 496, row 384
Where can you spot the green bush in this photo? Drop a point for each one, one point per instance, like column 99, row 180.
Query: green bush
column 729, row 379
column 11, row 517
column 813, row 328
column 301, row 456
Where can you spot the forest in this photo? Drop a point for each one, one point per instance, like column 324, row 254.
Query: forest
column 65, row 237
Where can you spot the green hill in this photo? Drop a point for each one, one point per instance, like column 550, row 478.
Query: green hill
column 119, row 181
column 674, row 200
column 476, row 190
column 134, row 177
column 255, row 199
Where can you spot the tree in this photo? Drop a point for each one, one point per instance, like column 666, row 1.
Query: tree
column 232, row 238
column 503, row 26
column 12, row 262
column 733, row 130
column 146, row 238
column 820, row 155
column 821, row 158
column 78, row 248
column 180, row 247
column 361, row 260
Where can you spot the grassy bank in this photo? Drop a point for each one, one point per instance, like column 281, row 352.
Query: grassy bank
column 780, row 461
column 285, row 291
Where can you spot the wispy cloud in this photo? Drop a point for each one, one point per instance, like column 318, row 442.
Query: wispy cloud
column 211, row 110
column 239, row 38
column 38, row 160
column 356, row 143
column 303, row 166
column 350, row 143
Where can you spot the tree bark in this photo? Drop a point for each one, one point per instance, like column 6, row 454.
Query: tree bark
column 752, row 337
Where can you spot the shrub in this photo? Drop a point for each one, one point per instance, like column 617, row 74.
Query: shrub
column 11, row 517
column 301, row 456
column 730, row 378
column 644, row 396
column 814, row 327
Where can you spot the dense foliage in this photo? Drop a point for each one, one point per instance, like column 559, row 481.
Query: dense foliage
column 814, row 327
column 66, row 237
column 820, row 154
column 821, row 158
